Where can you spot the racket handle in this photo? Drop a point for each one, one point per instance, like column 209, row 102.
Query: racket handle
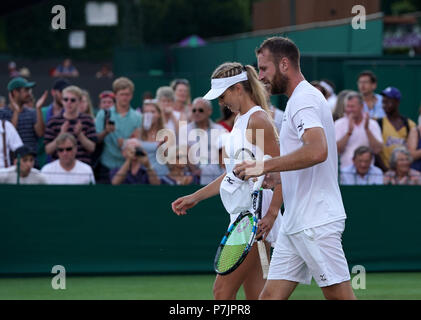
column 264, row 261
column 259, row 182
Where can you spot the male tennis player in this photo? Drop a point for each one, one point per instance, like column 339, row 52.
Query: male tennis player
column 309, row 241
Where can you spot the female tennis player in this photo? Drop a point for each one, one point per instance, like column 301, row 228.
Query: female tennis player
column 238, row 88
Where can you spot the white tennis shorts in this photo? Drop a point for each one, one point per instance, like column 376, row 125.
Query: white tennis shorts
column 315, row 252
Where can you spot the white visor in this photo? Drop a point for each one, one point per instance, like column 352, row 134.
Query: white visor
column 220, row 85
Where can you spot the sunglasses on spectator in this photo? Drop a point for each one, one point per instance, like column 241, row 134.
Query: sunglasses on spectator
column 68, row 149
column 198, row 110
column 72, row 100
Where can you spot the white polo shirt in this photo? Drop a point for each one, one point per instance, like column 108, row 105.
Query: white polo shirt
column 311, row 196
column 357, row 139
column 80, row 174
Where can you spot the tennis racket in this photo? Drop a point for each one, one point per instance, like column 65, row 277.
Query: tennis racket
column 240, row 236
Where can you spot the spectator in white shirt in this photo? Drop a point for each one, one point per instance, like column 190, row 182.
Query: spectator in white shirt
column 9, row 141
column 362, row 171
column 356, row 129
column 24, row 163
column 66, row 169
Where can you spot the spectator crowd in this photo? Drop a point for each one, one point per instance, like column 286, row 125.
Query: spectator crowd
column 171, row 138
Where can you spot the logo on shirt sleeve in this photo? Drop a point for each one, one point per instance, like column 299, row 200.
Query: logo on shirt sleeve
column 300, row 127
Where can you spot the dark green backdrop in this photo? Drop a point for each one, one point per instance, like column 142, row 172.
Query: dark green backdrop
column 105, row 229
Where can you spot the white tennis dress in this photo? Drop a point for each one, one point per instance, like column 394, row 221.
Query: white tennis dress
column 237, row 144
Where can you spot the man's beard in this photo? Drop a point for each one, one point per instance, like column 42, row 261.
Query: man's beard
column 279, row 83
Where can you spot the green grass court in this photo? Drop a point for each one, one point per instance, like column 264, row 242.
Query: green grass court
column 379, row 286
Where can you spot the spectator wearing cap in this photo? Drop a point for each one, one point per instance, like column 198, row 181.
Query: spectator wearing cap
column 203, row 133
column 106, row 100
column 362, row 171
column 73, row 121
column 27, row 121
column 367, row 84
column 24, row 166
column 9, row 141
column 67, row 169
column 356, row 129
column 395, row 127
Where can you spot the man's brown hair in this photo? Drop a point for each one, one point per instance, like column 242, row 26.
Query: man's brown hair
column 281, row 47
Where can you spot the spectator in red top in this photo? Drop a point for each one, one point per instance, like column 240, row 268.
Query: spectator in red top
column 66, row 69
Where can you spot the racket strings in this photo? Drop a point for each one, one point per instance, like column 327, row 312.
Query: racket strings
column 236, row 245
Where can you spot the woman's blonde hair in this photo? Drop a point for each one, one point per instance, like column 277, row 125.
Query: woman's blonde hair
column 253, row 86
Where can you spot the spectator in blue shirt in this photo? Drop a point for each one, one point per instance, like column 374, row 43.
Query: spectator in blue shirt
column 361, row 172
column 367, row 84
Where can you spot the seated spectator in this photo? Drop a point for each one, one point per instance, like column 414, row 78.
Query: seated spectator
column 106, row 100
column 85, row 105
column 330, row 93
column 362, row 171
column 24, row 163
column 9, row 141
column 367, row 84
column 27, row 121
column 166, row 100
column 105, row 72
column 339, row 110
column 202, row 127
column 182, row 102
column 394, row 126
column 71, row 120
column 66, row 69
column 67, row 169
column 114, row 125
column 136, row 169
column 356, row 129
column 414, row 147
column 400, row 172
column 180, row 173
column 152, row 123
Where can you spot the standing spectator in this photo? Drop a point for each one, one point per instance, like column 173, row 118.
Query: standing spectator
column 414, row 147
column 339, row 110
column 66, row 69
column 367, row 84
column 400, row 172
column 182, row 102
column 152, row 123
column 205, row 130
column 136, row 168
column 27, row 174
column 356, row 129
column 395, row 127
column 120, row 123
column 106, row 100
column 85, row 105
column 166, row 100
column 362, row 171
column 67, row 169
column 330, row 93
column 72, row 121
column 28, row 122
column 10, row 141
